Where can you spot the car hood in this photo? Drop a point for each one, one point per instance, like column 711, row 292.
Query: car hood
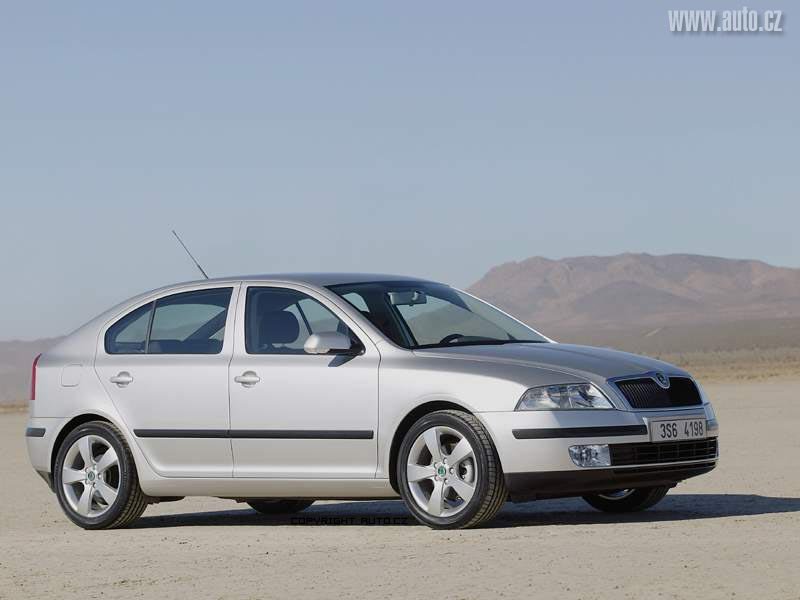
column 593, row 364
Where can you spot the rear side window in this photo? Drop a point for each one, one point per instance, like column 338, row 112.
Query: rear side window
column 186, row 323
column 129, row 334
column 190, row 323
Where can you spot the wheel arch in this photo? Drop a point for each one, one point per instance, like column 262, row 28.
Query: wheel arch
column 407, row 422
column 69, row 426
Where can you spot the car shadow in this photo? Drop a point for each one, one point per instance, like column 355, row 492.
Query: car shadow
column 571, row 511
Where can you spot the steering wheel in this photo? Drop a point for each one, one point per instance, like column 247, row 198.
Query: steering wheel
column 451, row 338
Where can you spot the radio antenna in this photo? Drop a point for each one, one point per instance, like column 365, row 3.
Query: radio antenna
column 194, row 260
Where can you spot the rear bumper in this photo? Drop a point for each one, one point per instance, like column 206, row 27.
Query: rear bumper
column 560, row 484
column 40, row 435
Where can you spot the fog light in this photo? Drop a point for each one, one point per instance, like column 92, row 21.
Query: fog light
column 592, row 455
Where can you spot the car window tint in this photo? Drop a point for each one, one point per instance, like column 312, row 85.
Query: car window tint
column 357, row 300
column 424, row 314
column 190, row 322
column 279, row 320
column 129, row 334
column 371, row 300
column 319, row 318
column 304, row 329
column 438, row 318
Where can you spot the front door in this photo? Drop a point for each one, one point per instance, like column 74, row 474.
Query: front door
column 165, row 367
column 297, row 415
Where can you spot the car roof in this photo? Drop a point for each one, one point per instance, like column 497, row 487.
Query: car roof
column 316, row 279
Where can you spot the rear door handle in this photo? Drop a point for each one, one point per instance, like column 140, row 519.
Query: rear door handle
column 122, row 378
column 247, row 379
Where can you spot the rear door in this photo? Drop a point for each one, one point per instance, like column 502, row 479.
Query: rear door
column 165, row 366
column 297, row 415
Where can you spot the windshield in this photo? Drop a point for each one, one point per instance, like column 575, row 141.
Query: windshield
column 432, row 315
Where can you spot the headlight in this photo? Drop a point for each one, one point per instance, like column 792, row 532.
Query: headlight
column 561, row 397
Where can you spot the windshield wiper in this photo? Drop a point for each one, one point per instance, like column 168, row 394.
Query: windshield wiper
column 487, row 342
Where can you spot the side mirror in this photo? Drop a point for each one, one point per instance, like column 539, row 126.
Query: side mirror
column 329, row 342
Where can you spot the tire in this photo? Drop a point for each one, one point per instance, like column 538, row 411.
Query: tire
column 627, row 500
column 279, row 507
column 432, row 490
column 119, row 507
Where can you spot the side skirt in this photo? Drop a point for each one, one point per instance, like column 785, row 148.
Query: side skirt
column 251, row 487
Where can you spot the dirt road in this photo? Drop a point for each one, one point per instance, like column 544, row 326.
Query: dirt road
column 733, row 533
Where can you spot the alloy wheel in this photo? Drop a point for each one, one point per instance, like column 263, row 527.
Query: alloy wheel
column 442, row 471
column 91, row 476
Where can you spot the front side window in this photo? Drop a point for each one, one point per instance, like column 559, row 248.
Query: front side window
column 185, row 323
column 280, row 320
column 429, row 315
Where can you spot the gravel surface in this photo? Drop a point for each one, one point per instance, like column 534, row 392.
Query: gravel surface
column 732, row 533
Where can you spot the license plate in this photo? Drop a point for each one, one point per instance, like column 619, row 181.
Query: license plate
column 678, row 429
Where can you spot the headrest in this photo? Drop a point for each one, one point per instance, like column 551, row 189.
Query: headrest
column 278, row 327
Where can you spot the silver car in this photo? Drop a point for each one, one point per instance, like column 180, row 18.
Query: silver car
column 281, row 390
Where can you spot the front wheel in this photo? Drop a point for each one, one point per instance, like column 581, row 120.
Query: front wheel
column 95, row 478
column 448, row 471
column 629, row 500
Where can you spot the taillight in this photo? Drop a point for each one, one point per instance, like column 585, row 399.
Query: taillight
column 33, row 376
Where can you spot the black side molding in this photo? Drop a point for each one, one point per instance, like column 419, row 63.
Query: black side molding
column 256, row 434
column 181, row 433
column 302, row 434
column 35, row 432
column 577, row 432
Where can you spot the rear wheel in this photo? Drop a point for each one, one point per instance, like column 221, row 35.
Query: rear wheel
column 628, row 500
column 95, row 478
column 279, row 507
column 449, row 472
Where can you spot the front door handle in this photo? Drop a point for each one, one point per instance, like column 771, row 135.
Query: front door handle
column 247, row 379
column 122, row 378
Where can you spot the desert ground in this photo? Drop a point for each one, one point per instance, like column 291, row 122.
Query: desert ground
column 734, row 533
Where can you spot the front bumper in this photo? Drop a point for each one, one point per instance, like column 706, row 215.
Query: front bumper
column 533, row 447
column 560, row 484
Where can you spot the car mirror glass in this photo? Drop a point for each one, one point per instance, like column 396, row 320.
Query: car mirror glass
column 407, row 298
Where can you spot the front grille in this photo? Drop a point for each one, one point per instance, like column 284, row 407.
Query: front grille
column 647, row 453
column 646, row 393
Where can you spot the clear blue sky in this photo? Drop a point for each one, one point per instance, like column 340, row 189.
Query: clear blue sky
column 429, row 138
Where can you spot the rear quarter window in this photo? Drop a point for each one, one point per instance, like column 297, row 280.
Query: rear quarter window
column 129, row 334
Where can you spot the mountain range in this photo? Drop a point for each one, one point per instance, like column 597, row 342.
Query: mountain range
column 640, row 290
